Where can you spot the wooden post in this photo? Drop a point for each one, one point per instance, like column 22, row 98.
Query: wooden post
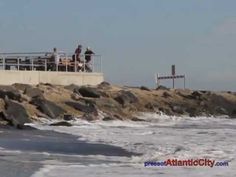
column 184, row 82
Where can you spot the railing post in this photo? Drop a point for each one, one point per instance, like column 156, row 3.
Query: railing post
column 66, row 63
column 75, row 62
column 32, row 64
column 101, row 64
column 4, row 64
column 184, row 82
column 93, row 64
column 45, row 67
column 18, row 64
column 84, row 63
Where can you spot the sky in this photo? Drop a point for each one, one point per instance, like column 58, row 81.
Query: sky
column 136, row 38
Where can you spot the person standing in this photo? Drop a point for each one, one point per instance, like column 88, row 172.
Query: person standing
column 88, row 57
column 56, row 56
column 54, row 60
column 78, row 51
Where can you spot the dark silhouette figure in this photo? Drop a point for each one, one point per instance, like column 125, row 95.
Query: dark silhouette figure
column 88, row 57
column 78, row 51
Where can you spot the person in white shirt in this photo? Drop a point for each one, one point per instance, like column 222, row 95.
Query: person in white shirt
column 56, row 59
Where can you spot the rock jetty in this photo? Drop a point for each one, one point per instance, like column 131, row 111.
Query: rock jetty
column 21, row 103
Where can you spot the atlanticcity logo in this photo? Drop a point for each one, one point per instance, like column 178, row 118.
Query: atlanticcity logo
column 186, row 163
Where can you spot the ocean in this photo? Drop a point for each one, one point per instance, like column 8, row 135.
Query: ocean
column 157, row 139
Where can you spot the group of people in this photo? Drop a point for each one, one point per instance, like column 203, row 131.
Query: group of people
column 76, row 58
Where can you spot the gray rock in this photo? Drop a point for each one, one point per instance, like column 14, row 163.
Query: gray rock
column 144, row 88
column 178, row 109
column 15, row 114
column 33, row 92
column 62, row 123
column 47, row 107
column 75, row 96
column 68, row 117
column 90, row 108
column 21, row 87
column 71, row 87
column 150, row 106
column 233, row 113
column 90, row 117
column 193, row 112
column 161, row 87
column 88, row 92
column 196, row 95
column 108, row 118
column 221, row 111
column 10, row 92
column 166, row 95
column 126, row 97
column 135, row 119
column 104, row 85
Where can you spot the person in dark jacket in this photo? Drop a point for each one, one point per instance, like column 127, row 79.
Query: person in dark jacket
column 78, row 51
column 88, row 54
column 88, row 57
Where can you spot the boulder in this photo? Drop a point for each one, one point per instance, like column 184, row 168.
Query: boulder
column 165, row 110
column 161, row 87
column 112, row 117
column 90, row 117
column 15, row 114
column 108, row 118
column 221, row 111
column 103, row 94
column 196, row 95
column 33, row 92
column 71, row 87
column 87, row 92
column 87, row 101
column 2, row 105
column 193, row 112
column 68, row 117
column 47, row 107
column 149, row 106
column 166, row 95
column 62, row 123
column 21, row 87
column 104, row 85
column 10, row 92
column 126, row 97
column 107, row 103
column 233, row 114
column 75, row 96
column 90, row 108
column 135, row 119
column 178, row 109
column 144, row 88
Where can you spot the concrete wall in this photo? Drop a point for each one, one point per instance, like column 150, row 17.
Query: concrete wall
column 56, row 78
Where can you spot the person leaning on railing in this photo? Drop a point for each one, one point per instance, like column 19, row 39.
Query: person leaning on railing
column 78, row 51
column 54, row 61
column 88, row 57
column 76, row 58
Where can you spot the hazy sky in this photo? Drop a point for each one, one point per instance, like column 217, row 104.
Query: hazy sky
column 137, row 38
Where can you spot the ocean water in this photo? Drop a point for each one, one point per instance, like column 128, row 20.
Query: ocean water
column 158, row 139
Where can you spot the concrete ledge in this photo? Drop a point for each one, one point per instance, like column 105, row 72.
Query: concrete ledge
column 9, row 77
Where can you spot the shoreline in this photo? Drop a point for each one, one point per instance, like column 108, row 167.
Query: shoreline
column 25, row 152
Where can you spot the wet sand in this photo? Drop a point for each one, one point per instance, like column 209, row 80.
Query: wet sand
column 24, row 151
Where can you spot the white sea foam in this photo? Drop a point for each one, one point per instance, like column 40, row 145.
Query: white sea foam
column 159, row 138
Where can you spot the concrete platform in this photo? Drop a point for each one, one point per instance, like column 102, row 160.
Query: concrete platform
column 9, row 77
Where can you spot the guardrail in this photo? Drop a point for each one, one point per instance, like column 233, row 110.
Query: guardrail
column 44, row 61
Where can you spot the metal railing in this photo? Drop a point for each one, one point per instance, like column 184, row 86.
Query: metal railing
column 45, row 61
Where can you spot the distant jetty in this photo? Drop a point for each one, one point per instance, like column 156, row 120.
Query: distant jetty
column 22, row 103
